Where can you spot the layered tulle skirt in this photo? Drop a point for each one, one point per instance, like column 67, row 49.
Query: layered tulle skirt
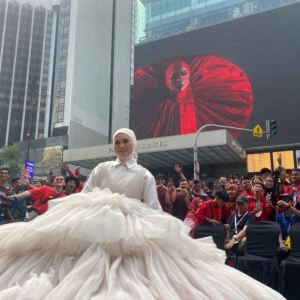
column 101, row 245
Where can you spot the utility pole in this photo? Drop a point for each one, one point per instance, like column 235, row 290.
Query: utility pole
column 196, row 163
column 29, row 134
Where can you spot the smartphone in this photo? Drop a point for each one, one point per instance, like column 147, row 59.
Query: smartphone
column 170, row 179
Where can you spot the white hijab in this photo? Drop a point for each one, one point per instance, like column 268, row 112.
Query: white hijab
column 130, row 133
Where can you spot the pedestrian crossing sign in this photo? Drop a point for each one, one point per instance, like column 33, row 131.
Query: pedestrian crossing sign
column 257, row 131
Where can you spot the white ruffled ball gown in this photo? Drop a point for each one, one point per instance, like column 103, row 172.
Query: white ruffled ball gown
column 104, row 245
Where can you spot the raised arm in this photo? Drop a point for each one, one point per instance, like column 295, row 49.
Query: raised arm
column 179, row 171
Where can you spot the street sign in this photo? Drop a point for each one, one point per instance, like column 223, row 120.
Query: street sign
column 30, row 167
column 257, row 131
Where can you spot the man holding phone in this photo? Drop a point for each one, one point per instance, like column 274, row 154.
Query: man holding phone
column 163, row 193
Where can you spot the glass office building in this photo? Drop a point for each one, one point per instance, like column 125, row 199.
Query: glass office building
column 25, row 42
column 162, row 18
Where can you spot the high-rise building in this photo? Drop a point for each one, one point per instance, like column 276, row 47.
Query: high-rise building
column 139, row 21
column 65, row 69
column 163, row 18
column 25, row 63
column 92, row 71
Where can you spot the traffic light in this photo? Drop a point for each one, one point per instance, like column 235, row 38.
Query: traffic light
column 271, row 128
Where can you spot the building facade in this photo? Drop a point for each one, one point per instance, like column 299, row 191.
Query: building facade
column 65, row 69
column 25, row 64
column 162, row 18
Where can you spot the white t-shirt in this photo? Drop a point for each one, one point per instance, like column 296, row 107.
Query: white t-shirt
column 125, row 179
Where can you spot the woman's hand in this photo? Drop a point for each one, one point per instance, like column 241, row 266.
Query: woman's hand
column 178, row 169
column 230, row 244
column 284, row 248
column 256, row 210
column 283, row 203
column 214, row 222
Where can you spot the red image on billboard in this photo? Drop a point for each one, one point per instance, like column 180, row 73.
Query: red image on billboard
column 178, row 95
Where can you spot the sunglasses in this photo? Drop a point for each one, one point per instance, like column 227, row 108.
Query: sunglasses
column 59, row 179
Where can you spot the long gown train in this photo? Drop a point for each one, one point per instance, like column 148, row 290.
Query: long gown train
column 102, row 245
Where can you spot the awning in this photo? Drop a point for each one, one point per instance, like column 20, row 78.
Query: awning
column 214, row 147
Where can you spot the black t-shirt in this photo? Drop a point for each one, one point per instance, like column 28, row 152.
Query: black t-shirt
column 241, row 222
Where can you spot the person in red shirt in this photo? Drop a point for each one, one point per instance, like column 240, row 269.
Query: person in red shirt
column 181, row 200
column 210, row 211
column 44, row 193
column 294, row 188
column 230, row 207
column 190, row 216
column 71, row 186
column 247, row 186
column 258, row 205
column 163, row 193
column 80, row 185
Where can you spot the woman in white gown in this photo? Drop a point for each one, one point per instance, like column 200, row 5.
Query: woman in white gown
column 105, row 243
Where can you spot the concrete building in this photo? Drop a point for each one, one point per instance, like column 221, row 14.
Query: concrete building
column 65, row 71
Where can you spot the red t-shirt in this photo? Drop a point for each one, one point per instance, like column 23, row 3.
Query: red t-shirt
column 204, row 212
column 266, row 210
column 41, row 194
column 161, row 193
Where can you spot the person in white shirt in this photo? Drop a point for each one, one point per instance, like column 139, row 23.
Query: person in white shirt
column 123, row 171
column 105, row 243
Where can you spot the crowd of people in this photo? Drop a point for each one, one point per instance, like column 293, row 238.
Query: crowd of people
column 25, row 199
column 234, row 203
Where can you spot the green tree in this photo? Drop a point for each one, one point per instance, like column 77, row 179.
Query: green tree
column 9, row 158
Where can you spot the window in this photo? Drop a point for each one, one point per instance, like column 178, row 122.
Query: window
column 255, row 162
column 287, row 159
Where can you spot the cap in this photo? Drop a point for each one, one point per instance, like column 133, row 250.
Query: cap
column 265, row 170
column 288, row 170
column 242, row 199
column 286, row 195
column 158, row 176
column 72, row 178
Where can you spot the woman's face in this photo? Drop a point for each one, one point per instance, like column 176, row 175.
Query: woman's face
column 231, row 193
column 123, row 145
column 178, row 77
column 258, row 188
column 269, row 183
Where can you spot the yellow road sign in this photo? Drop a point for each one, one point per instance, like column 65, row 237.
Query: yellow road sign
column 257, row 131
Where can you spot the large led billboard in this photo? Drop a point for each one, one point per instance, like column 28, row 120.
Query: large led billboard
column 237, row 73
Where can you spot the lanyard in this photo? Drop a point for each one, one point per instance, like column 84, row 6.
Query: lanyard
column 291, row 219
column 237, row 223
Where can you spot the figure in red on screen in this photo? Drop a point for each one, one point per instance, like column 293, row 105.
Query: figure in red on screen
column 179, row 95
